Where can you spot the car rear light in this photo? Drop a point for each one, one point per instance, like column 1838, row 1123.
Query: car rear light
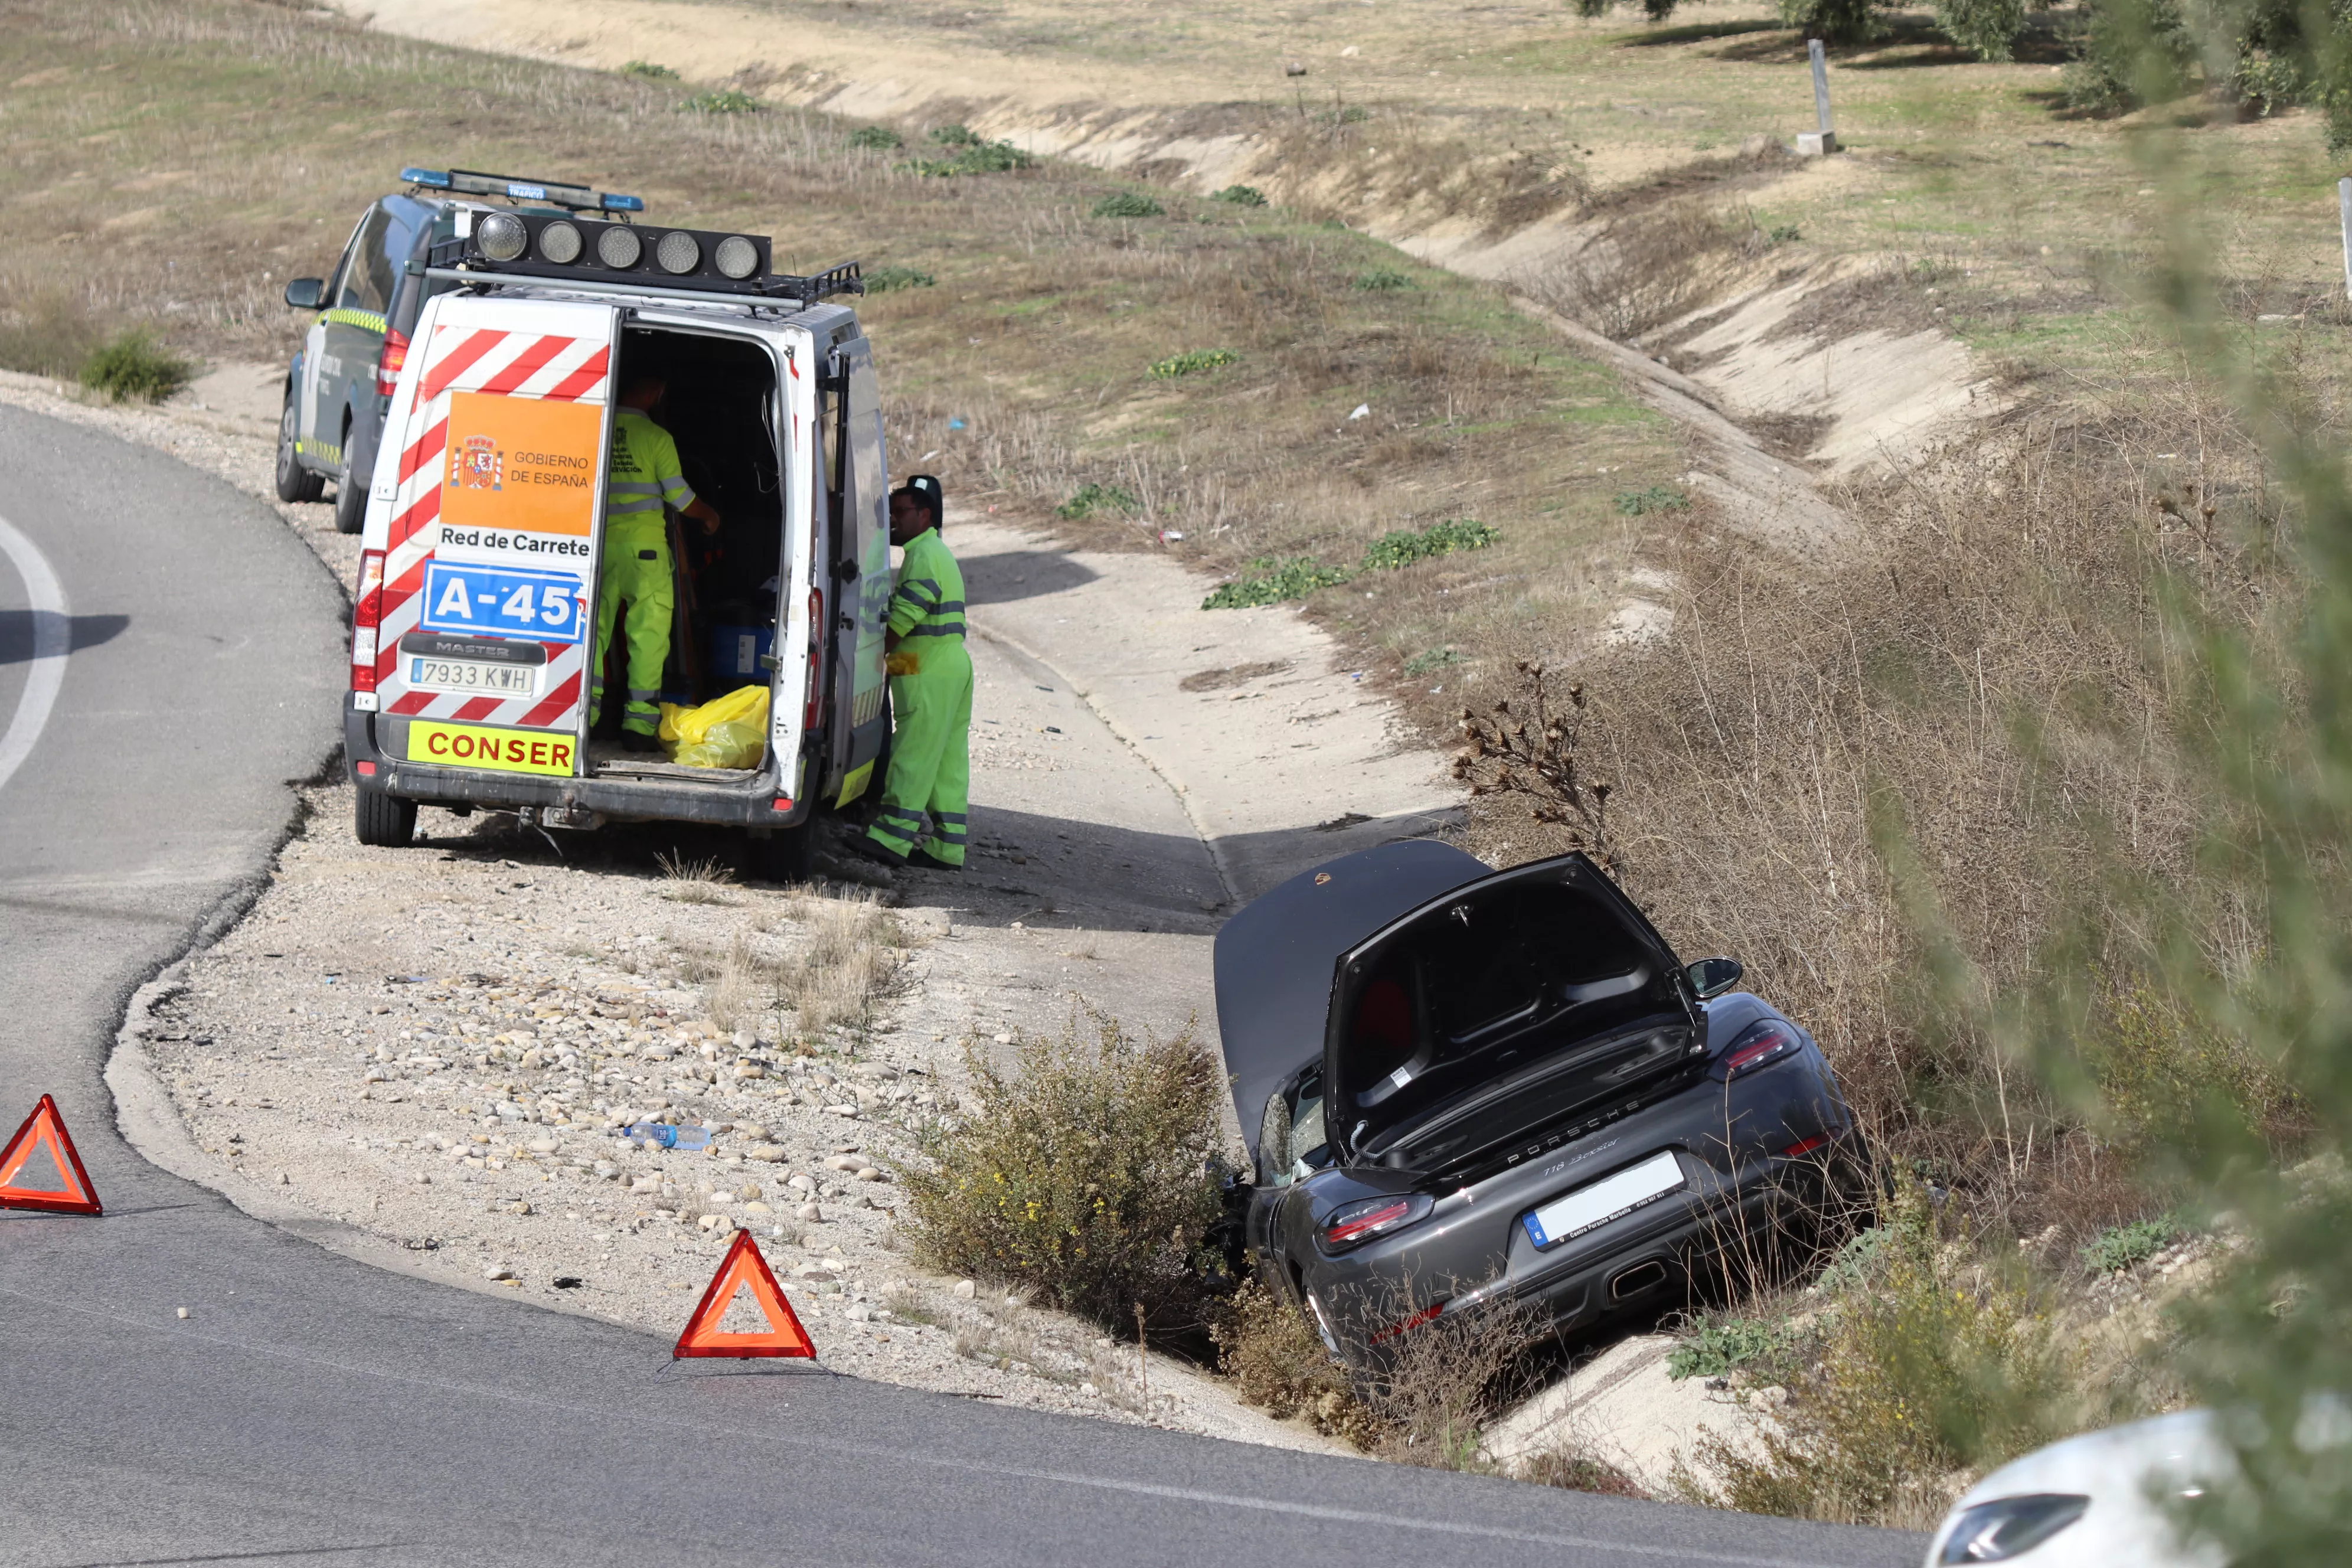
column 1807, row 1145
column 1762, row 1043
column 1426, row 1315
column 812, row 695
column 389, row 361
column 1352, row 1225
column 367, row 613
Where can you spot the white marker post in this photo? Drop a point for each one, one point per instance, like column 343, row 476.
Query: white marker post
column 2343, row 211
column 1814, row 143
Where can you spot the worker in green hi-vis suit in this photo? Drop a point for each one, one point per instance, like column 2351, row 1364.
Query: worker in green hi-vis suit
column 642, row 478
column 921, row 818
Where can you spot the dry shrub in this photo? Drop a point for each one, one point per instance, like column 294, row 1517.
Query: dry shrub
column 1929, row 1366
column 1573, row 1469
column 850, row 957
column 1644, row 267
column 1088, row 1170
column 1278, row 1363
column 1435, row 1387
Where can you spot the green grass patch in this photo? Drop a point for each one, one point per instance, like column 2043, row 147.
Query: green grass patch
column 1428, row 663
column 1271, row 581
column 650, row 71
column 134, row 367
column 725, row 100
column 887, row 279
column 1404, row 546
column 876, row 139
column 1128, row 204
column 1656, row 498
column 1176, row 365
column 1240, row 195
column 1720, row 1344
column 973, row 158
column 957, row 136
column 1381, row 279
column 2122, row 1247
column 1092, row 499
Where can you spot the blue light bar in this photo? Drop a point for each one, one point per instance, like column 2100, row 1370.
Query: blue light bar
column 619, row 204
column 437, row 179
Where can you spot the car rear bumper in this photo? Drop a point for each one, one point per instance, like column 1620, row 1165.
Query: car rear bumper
column 748, row 802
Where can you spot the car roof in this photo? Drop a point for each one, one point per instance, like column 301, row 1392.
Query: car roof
column 1275, row 959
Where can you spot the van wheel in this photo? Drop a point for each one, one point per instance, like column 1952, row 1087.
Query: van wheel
column 783, row 855
column 295, row 482
column 385, row 821
column 351, row 496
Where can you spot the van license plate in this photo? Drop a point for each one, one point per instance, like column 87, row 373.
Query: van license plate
column 1611, row 1197
column 466, row 675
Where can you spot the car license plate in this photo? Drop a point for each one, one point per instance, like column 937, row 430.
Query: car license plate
column 467, row 675
column 1611, row 1197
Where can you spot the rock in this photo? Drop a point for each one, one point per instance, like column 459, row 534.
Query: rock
column 422, row 1179
column 966, row 1290
column 498, row 1271
column 1090, row 1391
column 607, row 1171
column 755, row 1207
column 869, row 1175
column 766, row 1153
column 860, row 1313
column 841, row 1110
column 810, row 1213
column 542, row 1145
column 184, row 1312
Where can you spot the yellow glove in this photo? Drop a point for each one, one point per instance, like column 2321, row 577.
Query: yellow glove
column 902, row 662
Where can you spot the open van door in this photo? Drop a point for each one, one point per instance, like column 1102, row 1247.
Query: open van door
column 861, row 576
column 484, row 524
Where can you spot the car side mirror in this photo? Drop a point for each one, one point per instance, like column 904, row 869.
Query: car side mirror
column 307, row 293
column 1711, row 977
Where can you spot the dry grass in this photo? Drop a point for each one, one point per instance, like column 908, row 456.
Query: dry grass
column 689, row 881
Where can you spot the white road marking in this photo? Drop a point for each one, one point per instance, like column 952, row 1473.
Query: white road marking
column 52, row 640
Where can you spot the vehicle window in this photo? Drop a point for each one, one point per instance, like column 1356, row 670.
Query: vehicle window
column 370, row 273
column 1496, row 985
column 1308, row 1148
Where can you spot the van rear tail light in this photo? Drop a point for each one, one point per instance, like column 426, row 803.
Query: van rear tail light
column 812, row 695
column 1762, row 1043
column 367, row 615
column 1352, row 1225
column 388, row 363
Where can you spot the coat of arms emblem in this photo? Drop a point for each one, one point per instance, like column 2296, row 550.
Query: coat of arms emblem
column 478, row 465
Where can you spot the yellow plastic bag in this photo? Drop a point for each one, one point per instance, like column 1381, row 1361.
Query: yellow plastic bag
column 729, row 732
column 902, row 662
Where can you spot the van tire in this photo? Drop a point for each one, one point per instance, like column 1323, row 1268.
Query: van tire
column 784, row 855
column 385, row 821
column 351, row 496
column 295, row 482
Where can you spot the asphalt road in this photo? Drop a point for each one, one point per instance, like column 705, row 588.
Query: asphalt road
column 312, row 1407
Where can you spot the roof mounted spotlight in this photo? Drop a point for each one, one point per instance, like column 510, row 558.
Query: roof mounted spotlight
column 501, row 235
column 678, row 252
column 737, row 257
column 579, row 250
column 560, row 242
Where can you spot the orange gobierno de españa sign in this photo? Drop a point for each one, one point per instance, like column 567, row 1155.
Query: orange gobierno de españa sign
column 522, row 463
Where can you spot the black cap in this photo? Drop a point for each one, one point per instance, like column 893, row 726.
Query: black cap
column 926, row 488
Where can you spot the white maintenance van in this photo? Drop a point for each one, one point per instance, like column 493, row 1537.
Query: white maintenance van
column 473, row 636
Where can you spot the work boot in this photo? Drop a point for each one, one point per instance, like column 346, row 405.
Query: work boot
column 638, row 740
column 930, row 862
column 882, row 854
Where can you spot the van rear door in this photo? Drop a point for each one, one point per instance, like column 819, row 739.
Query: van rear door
column 489, row 488
column 861, row 576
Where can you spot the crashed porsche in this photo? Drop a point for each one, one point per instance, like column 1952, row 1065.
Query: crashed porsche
column 1464, row 1087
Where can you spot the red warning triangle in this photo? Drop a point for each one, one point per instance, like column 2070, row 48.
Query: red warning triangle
column 743, row 1266
column 22, row 1164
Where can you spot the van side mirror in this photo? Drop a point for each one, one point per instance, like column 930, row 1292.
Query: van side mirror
column 1711, row 977
column 307, row 293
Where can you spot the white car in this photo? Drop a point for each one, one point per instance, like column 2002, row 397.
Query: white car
column 2093, row 1499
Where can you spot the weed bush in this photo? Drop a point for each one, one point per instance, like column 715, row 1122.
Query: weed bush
column 1240, row 195
column 1784, row 233
column 1382, row 281
column 876, row 139
column 1091, row 498
column 2122, row 1247
column 725, row 100
column 1434, row 659
column 1198, row 360
column 1404, row 546
column 974, row 157
column 1088, row 1170
column 1987, row 28
column 957, row 136
column 1279, row 1363
column 650, row 71
column 1656, row 498
column 1718, row 1345
column 1128, row 204
column 134, row 365
column 1270, row 581
column 883, row 280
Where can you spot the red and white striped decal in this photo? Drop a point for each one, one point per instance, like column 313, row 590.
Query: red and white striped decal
column 460, row 357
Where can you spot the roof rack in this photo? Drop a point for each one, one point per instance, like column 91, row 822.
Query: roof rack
column 566, row 194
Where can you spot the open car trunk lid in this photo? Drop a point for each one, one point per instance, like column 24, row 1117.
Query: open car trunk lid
column 1498, row 1007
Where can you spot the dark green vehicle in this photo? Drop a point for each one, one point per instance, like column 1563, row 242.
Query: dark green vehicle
column 339, row 385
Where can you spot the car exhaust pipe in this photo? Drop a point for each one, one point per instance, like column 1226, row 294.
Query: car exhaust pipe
column 1639, row 1279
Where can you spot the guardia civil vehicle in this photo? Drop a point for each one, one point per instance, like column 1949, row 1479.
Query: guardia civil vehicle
column 473, row 636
